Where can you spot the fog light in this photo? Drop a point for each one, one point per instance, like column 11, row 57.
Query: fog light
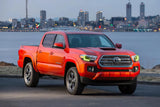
column 135, row 69
column 91, row 69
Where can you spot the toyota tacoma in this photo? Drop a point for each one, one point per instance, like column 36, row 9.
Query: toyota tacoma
column 81, row 58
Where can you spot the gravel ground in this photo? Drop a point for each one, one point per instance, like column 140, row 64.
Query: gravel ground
column 146, row 75
column 149, row 75
column 10, row 71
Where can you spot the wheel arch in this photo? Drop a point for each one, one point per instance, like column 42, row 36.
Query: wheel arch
column 68, row 65
column 26, row 60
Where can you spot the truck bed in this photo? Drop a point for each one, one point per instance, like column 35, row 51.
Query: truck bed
column 29, row 47
column 27, row 50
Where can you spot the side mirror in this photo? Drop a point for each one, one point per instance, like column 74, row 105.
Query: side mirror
column 59, row 45
column 118, row 45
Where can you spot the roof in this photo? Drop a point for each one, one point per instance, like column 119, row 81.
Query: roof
column 74, row 32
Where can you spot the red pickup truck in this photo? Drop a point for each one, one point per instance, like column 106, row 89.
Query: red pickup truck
column 81, row 58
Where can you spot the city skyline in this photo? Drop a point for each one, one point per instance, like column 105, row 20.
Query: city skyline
column 72, row 9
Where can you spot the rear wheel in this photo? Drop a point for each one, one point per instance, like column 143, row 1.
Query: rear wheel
column 31, row 77
column 72, row 80
column 128, row 89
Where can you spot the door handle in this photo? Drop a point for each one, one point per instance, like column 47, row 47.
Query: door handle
column 40, row 51
column 51, row 53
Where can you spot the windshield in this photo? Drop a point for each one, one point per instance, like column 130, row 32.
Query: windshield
column 89, row 40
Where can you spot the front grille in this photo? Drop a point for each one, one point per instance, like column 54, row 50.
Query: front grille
column 115, row 61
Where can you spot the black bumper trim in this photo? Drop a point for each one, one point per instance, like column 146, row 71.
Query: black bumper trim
column 88, row 81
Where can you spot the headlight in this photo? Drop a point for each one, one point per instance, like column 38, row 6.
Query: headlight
column 88, row 58
column 135, row 58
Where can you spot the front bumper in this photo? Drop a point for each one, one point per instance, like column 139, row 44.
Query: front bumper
column 108, row 74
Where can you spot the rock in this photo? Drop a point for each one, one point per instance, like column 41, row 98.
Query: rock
column 156, row 67
column 142, row 67
column 2, row 63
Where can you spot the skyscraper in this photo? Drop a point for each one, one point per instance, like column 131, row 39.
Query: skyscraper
column 86, row 15
column 129, row 12
column 99, row 16
column 42, row 18
column 142, row 10
column 81, row 18
column 14, row 23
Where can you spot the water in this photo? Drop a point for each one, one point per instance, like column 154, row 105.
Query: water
column 10, row 43
column 146, row 45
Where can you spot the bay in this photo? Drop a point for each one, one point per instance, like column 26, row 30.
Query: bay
column 145, row 44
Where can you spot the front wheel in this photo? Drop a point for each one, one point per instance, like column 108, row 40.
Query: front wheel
column 31, row 77
column 128, row 89
column 73, row 84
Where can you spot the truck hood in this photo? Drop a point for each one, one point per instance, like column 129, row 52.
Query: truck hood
column 102, row 51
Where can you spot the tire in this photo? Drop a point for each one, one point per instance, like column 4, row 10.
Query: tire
column 128, row 89
column 72, row 80
column 31, row 77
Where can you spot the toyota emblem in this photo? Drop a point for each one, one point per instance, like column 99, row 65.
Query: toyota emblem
column 116, row 60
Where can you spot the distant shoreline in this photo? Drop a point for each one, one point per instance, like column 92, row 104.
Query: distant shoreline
column 41, row 30
column 24, row 31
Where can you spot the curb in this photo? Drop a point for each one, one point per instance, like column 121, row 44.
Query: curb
column 10, row 76
column 149, row 83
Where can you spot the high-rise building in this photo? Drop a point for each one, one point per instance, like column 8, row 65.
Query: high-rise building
column 86, row 15
column 142, row 10
column 81, row 18
column 42, row 18
column 129, row 12
column 14, row 23
column 50, row 22
column 31, row 22
column 63, row 21
column 116, row 20
column 99, row 16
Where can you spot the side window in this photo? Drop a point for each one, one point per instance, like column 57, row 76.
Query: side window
column 48, row 40
column 60, row 38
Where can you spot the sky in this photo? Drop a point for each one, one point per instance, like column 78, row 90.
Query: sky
column 71, row 8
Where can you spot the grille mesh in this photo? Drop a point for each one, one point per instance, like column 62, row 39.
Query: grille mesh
column 109, row 61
